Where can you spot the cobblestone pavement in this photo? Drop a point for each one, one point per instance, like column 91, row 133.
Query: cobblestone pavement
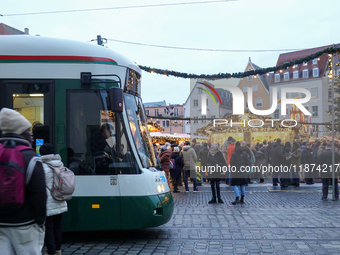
column 272, row 221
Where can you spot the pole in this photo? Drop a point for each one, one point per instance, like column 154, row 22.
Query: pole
column 99, row 40
column 333, row 149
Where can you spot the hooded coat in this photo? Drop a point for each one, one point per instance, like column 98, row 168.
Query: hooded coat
column 189, row 158
column 238, row 159
column 277, row 154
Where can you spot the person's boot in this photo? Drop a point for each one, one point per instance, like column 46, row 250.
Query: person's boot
column 220, row 200
column 212, row 201
column 236, row 201
column 242, row 201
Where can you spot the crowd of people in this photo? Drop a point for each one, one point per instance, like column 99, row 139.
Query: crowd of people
column 287, row 164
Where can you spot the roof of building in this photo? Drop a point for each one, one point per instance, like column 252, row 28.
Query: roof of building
column 294, row 55
column 8, row 30
column 265, row 79
column 155, row 104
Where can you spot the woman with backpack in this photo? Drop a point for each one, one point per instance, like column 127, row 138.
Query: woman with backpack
column 177, row 169
column 54, row 208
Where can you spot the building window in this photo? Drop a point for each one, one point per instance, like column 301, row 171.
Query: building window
column 258, row 102
column 329, row 94
column 147, row 112
column 329, row 108
column 245, row 88
column 156, row 112
column 254, row 87
column 278, row 95
column 176, row 112
column 296, row 75
column 203, row 119
column 277, row 77
column 286, row 76
column 305, row 63
column 315, row 111
column 166, row 123
column 200, row 91
column 305, row 73
column 165, row 111
column 195, row 102
column 276, row 114
column 315, row 72
column 195, row 119
column 295, row 66
column 250, row 78
column 314, row 92
column 246, row 103
column 315, row 61
column 212, row 117
column 207, row 102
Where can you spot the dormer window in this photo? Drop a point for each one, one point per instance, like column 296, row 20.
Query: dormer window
column 295, row 66
column 305, row 63
column 315, row 61
column 316, row 72
column 286, row 76
column 305, row 73
column 250, row 78
column 277, row 77
column 296, row 75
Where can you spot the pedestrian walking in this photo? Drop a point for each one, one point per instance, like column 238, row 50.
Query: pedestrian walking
column 277, row 159
column 203, row 158
column 178, row 168
column 239, row 178
column 325, row 159
column 260, row 162
column 189, row 159
column 54, row 208
column 216, row 161
column 22, row 227
column 287, row 154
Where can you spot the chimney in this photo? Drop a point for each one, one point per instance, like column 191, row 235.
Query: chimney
column 26, row 31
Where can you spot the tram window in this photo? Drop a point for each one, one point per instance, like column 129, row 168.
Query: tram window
column 31, row 106
column 97, row 136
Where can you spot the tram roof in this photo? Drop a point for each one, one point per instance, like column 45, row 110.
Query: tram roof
column 56, row 49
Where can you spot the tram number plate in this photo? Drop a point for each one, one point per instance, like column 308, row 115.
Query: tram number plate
column 113, row 180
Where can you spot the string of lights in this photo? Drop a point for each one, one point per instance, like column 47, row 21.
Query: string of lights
column 116, row 8
column 260, row 71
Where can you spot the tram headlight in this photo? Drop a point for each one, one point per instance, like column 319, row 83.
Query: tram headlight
column 163, row 188
column 159, row 188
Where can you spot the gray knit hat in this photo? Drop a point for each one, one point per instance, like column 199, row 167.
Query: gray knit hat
column 13, row 122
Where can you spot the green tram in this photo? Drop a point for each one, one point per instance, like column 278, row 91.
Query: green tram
column 86, row 100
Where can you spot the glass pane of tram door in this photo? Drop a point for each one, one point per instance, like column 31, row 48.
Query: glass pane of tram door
column 31, row 106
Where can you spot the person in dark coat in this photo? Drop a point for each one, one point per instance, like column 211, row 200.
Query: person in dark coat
column 238, row 162
column 307, row 158
column 203, row 158
column 215, row 158
column 325, row 159
column 177, row 172
column 296, row 163
column 268, row 153
column 277, row 159
column 260, row 161
column 285, row 176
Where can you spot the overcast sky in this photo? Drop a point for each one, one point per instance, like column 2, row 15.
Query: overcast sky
column 232, row 25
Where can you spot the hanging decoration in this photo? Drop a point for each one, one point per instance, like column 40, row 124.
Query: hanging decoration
column 330, row 50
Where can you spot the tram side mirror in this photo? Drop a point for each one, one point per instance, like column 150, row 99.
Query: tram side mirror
column 116, row 99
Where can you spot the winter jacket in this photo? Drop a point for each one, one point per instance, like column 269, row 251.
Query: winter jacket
column 307, row 156
column 296, row 159
column 268, row 154
column 189, row 158
column 203, row 156
column 325, row 161
column 286, row 154
column 53, row 206
column 34, row 208
column 218, row 162
column 164, row 158
column 277, row 154
column 239, row 158
column 176, row 173
column 196, row 149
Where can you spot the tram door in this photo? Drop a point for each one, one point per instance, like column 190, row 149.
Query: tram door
column 34, row 100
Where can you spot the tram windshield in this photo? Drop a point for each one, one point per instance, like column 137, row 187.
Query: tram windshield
column 138, row 126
